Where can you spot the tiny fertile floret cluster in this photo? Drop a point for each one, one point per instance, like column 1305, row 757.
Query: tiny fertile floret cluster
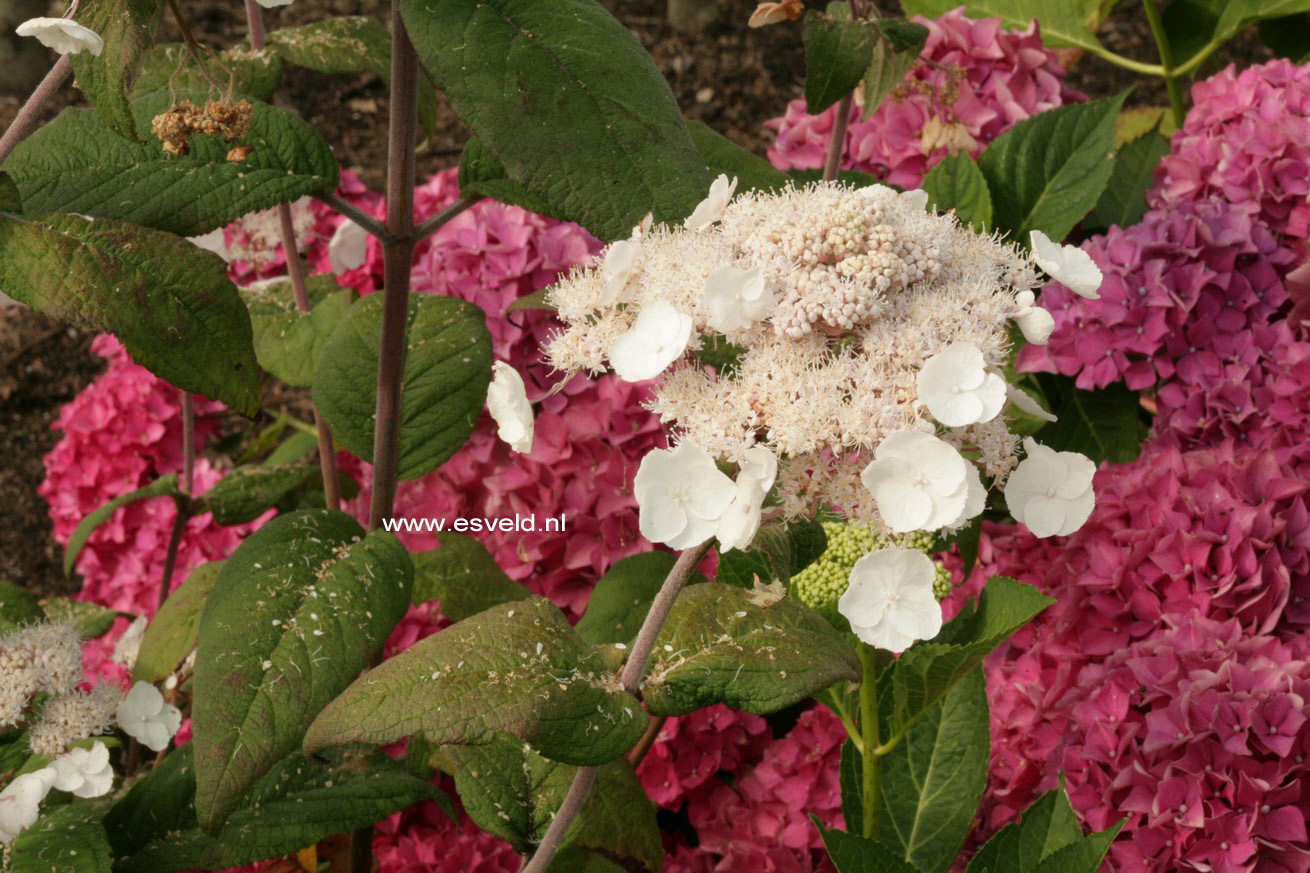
column 845, row 348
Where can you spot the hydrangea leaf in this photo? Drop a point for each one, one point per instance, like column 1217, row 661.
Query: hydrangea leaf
column 1046, row 826
column 127, row 28
column 299, row 802
column 622, row 597
column 296, row 613
column 1048, row 171
column 837, row 54
column 69, row 839
column 754, row 650
column 349, row 44
column 933, row 780
column 927, row 670
column 1104, row 425
column 957, row 184
column 722, row 155
column 171, row 66
column 513, row 792
column 250, row 490
column 1063, row 22
column 444, row 385
column 1237, row 15
column 855, row 854
column 73, row 164
column 169, row 302
column 17, row 607
column 161, row 803
column 481, row 174
column 171, row 634
column 886, row 70
column 516, row 668
column 1123, row 202
column 164, row 486
column 569, row 102
column 463, row 575
column 778, row 552
column 288, row 343
column 1288, row 36
column 850, row 776
column 10, row 198
column 93, row 621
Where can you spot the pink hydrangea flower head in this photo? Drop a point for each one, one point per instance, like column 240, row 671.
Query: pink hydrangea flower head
column 690, row 751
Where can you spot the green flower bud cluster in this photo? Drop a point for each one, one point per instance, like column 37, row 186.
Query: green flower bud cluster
column 823, row 582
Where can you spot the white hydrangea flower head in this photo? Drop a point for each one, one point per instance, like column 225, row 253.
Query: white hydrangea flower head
column 1036, row 323
column 84, row 772
column 957, row 388
column 146, row 717
column 657, row 338
column 681, row 495
column 918, row 482
column 1024, row 401
column 507, row 401
column 75, row 715
column 737, row 298
column 20, row 802
column 711, row 208
column 1069, row 265
column 890, row 602
column 63, row 35
column 741, row 520
column 1051, row 492
column 128, row 646
column 44, row 657
column 869, row 286
column 348, row 248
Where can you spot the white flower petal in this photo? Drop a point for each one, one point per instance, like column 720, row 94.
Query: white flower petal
column 1068, row 265
column 1036, row 324
column 348, row 248
column 20, row 802
column 737, row 298
column 273, row 4
column 918, row 482
column 618, row 267
column 681, row 495
column 1051, row 492
column 916, row 197
column 63, row 35
column 889, row 601
column 84, row 772
column 657, row 338
column 507, row 401
column 1026, row 403
column 761, row 465
column 711, row 208
column 957, row 388
column 214, row 241
column 145, row 716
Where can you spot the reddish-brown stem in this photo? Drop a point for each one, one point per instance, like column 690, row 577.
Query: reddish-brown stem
column 184, row 485
column 438, row 221
column 23, row 121
column 633, row 671
column 255, row 24
column 357, row 215
column 837, row 145
column 638, row 752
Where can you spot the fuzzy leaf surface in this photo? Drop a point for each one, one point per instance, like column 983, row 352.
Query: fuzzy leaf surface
column 568, row 101
column 250, row 490
column 67, row 839
column 255, row 74
column 622, row 597
column 837, row 54
column 171, row 634
column 516, row 668
column 722, row 155
column 127, row 28
column 464, row 576
column 288, row 343
column 754, row 650
column 296, row 613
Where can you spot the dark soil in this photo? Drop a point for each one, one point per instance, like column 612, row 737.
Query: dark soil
column 730, row 77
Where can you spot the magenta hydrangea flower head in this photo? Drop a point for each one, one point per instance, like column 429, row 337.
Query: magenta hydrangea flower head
column 692, row 750
column 982, row 79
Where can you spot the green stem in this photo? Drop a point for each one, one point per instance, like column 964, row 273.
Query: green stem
column 1120, row 61
column 1171, row 80
column 871, row 786
column 1188, row 66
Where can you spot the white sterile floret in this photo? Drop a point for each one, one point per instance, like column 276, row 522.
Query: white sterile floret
column 20, row 802
column 1051, row 492
column 1026, row 403
column 129, row 644
column 711, row 208
column 657, row 338
column 348, row 248
column 63, row 35
column 889, row 602
column 741, row 520
column 1069, row 265
column 507, row 401
column 975, row 498
column 1036, row 323
column 918, row 482
column 618, row 267
column 737, row 298
column 916, row 197
column 957, row 388
column 214, row 241
column 681, row 495
column 84, row 772
column 146, row 717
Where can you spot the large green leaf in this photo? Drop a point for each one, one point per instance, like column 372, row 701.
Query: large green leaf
column 1048, row 171
column 751, row 649
column 299, row 802
column 481, row 174
column 1084, row 856
column 622, row 597
column 1123, row 202
column 568, row 101
column 68, row 839
column 778, row 552
column 288, row 342
column 169, row 302
column 11, row 199
column 296, row 613
column 17, row 607
column 74, row 164
column 444, row 387
column 933, row 779
column 161, row 803
column 722, row 155
column 1288, row 37
column 516, row 668
column 512, row 792
column 1063, row 22
column 170, row 66
column 957, row 184
column 1046, row 826
column 164, row 486
column 249, row 491
column 1238, row 14
column 837, row 53
column 1104, row 425
column 927, row 670
column 127, row 28
column 171, row 634
column 851, row 853
column 464, row 576
column 887, row 69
